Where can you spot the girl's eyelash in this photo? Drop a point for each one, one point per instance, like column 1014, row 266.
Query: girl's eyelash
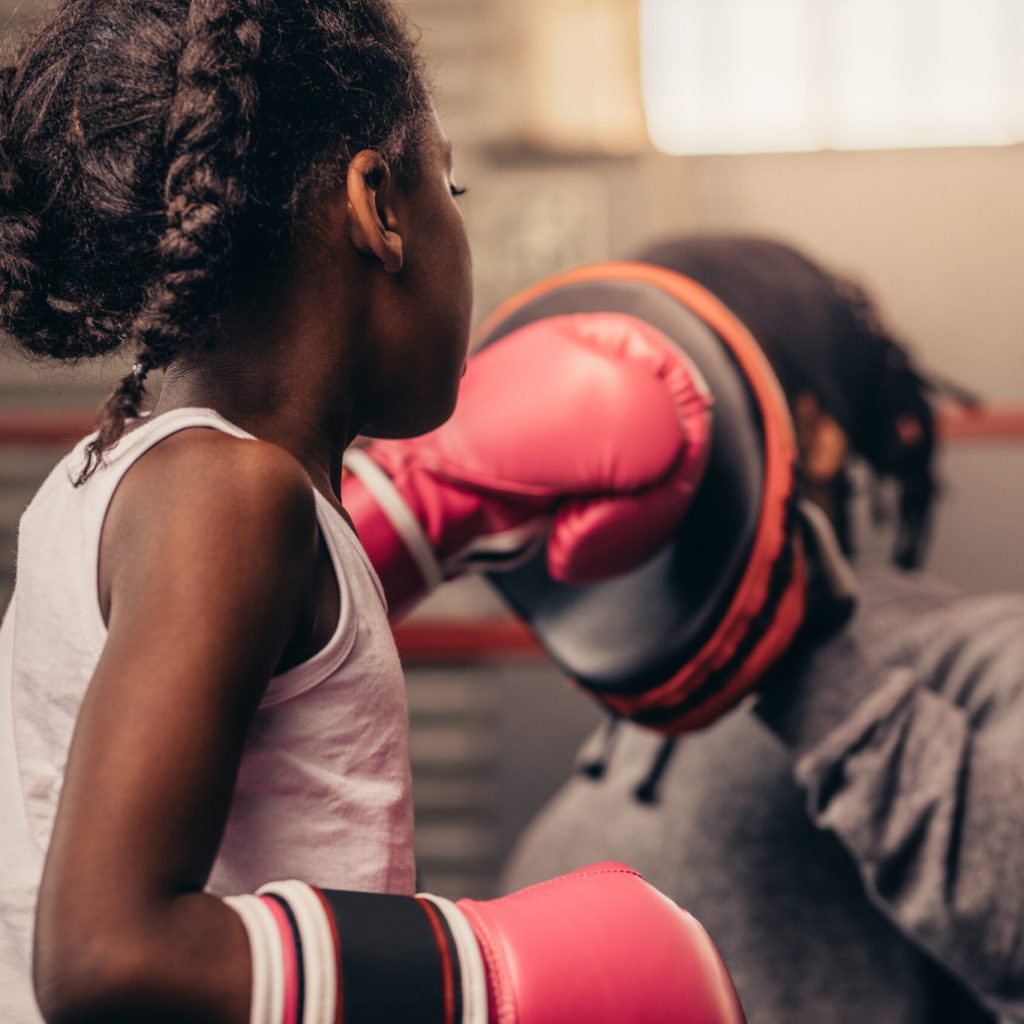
column 458, row 191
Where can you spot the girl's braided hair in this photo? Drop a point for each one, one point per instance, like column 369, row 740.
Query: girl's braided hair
column 157, row 157
column 822, row 335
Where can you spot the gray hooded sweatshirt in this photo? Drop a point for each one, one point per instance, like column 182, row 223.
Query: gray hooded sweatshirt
column 855, row 843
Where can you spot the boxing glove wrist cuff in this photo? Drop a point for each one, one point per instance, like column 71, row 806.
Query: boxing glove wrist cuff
column 323, row 956
column 597, row 945
column 473, row 977
column 397, row 960
column 266, row 995
column 316, row 956
column 389, row 531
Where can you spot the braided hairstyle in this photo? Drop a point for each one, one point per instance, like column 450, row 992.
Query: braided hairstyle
column 158, row 157
column 822, row 335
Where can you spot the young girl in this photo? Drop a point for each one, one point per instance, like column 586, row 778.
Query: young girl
column 258, row 199
column 279, row 166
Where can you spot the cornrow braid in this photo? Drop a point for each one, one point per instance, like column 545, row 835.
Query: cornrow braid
column 122, row 404
column 159, row 161
column 208, row 139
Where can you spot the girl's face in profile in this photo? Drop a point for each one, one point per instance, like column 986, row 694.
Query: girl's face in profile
column 428, row 321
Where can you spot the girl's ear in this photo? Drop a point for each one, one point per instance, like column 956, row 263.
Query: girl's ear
column 372, row 223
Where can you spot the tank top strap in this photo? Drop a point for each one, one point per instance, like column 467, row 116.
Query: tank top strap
column 328, row 660
column 154, row 429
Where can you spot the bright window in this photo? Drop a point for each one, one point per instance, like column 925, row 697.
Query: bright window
column 741, row 76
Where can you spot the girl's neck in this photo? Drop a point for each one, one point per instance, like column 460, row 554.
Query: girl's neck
column 292, row 388
column 284, row 364
column 269, row 412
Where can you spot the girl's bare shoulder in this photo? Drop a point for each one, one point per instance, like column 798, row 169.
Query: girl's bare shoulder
column 204, row 508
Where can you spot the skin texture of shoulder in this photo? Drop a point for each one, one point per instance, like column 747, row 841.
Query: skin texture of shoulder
column 238, row 507
column 207, row 564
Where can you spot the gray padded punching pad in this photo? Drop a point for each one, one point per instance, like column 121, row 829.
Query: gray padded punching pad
column 628, row 633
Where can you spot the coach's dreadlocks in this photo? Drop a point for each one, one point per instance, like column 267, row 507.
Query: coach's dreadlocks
column 823, row 336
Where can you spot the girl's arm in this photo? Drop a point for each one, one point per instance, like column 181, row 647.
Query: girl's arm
column 208, row 554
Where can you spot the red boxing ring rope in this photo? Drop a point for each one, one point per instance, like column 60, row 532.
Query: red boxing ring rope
column 41, row 428
column 461, row 640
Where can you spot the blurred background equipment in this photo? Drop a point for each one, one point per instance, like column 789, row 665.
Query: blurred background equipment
column 882, row 136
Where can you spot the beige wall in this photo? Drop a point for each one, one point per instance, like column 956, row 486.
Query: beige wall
column 938, row 235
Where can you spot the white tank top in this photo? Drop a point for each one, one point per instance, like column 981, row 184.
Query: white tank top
column 323, row 791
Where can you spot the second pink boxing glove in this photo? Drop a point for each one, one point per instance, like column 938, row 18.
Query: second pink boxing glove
column 589, row 432
column 598, row 945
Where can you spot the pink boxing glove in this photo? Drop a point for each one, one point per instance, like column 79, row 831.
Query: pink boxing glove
column 598, row 945
column 590, row 431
